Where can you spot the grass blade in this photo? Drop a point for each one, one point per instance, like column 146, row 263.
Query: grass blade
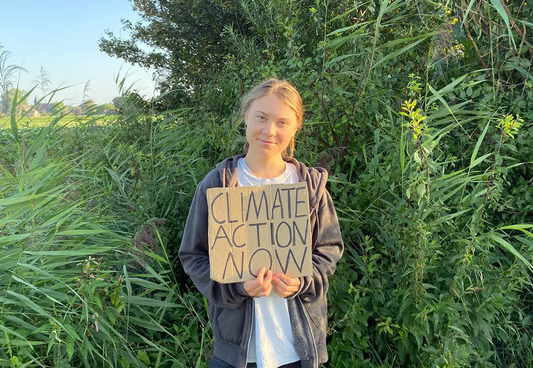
column 478, row 144
column 507, row 246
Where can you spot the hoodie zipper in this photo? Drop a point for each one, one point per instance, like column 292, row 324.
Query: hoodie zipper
column 315, row 349
column 250, row 333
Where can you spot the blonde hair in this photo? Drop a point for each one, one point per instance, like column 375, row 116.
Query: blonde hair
column 286, row 93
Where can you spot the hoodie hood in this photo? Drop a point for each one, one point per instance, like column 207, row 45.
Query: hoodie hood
column 315, row 177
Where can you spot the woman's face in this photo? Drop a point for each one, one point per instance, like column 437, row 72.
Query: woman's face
column 270, row 126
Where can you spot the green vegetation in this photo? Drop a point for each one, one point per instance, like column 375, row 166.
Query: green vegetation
column 421, row 111
column 43, row 121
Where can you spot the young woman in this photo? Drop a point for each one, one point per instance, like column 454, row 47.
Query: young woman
column 274, row 320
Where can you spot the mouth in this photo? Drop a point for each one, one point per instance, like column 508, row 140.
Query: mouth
column 267, row 142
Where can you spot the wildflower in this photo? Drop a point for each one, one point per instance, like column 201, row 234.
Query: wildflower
column 510, row 125
column 416, row 117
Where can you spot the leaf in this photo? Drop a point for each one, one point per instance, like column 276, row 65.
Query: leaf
column 149, row 302
column 468, row 11
column 14, row 127
column 517, row 227
column 521, row 227
column 70, row 346
column 439, row 96
column 127, row 278
column 70, row 253
column 82, row 232
column 442, row 219
column 507, row 246
column 402, row 150
column 479, row 160
column 500, row 9
column 143, row 357
column 30, row 304
column 71, row 332
column 408, row 39
column 13, row 239
column 21, row 199
column 446, row 89
column 399, row 52
column 478, row 144
column 145, row 283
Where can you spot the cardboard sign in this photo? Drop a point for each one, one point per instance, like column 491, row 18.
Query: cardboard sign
column 263, row 226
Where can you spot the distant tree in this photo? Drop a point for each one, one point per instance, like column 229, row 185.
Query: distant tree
column 118, row 102
column 6, row 101
column 88, row 106
column 43, row 81
column 187, row 38
column 73, row 110
column 58, row 107
column 105, row 109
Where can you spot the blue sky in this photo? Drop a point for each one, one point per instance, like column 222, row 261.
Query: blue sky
column 62, row 36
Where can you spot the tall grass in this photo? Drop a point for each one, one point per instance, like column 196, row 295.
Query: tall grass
column 86, row 279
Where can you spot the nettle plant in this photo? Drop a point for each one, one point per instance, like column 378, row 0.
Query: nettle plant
column 431, row 253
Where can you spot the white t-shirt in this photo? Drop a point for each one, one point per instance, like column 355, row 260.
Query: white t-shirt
column 272, row 343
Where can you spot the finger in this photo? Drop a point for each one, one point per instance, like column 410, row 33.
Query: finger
column 259, row 290
column 264, row 292
column 267, row 279
column 288, row 280
column 284, row 290
column 268, row 291
column 261, row 275
column 280, row 285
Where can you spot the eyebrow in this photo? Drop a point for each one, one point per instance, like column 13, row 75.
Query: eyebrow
column 264, row 113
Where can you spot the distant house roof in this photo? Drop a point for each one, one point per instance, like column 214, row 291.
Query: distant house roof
column 45, row 107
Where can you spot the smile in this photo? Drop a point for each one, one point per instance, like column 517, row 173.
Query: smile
column 267, row 142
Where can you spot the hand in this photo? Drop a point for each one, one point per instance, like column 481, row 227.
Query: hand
column 285, row 285
column 261, row 285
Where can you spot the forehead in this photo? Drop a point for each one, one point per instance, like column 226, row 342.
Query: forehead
column 273, row 106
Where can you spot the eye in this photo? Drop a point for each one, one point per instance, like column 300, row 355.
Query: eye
column 260, row 117
column 283, row 122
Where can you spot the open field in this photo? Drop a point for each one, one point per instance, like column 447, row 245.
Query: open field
column 37, row 122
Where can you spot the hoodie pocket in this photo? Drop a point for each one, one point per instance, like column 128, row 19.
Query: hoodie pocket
column 317, row 313
column 231, row 324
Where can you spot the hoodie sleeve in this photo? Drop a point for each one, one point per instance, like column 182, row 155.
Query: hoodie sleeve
column 194, row 256
column 327, row 250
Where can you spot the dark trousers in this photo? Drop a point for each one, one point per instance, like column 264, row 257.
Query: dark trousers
column 219, row 363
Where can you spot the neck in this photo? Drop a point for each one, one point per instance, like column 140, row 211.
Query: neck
column 265, row 167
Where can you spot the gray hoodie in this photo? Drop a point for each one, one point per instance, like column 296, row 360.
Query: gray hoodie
column 231, row 310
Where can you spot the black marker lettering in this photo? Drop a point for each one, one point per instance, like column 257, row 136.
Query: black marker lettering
column 242, row 207
column 257, row 230
column 289, row 255
column 288, row 190
column 277, row 235
column 277, row 199
column 258, row 268
column 233, row 237
column 298, row 202
column 221, row 237
column 228, row 208
column 257, row 210
column 230, row 255
column 296, row 229
column 213, row 212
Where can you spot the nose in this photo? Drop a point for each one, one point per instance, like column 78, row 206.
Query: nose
column 269, row 129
